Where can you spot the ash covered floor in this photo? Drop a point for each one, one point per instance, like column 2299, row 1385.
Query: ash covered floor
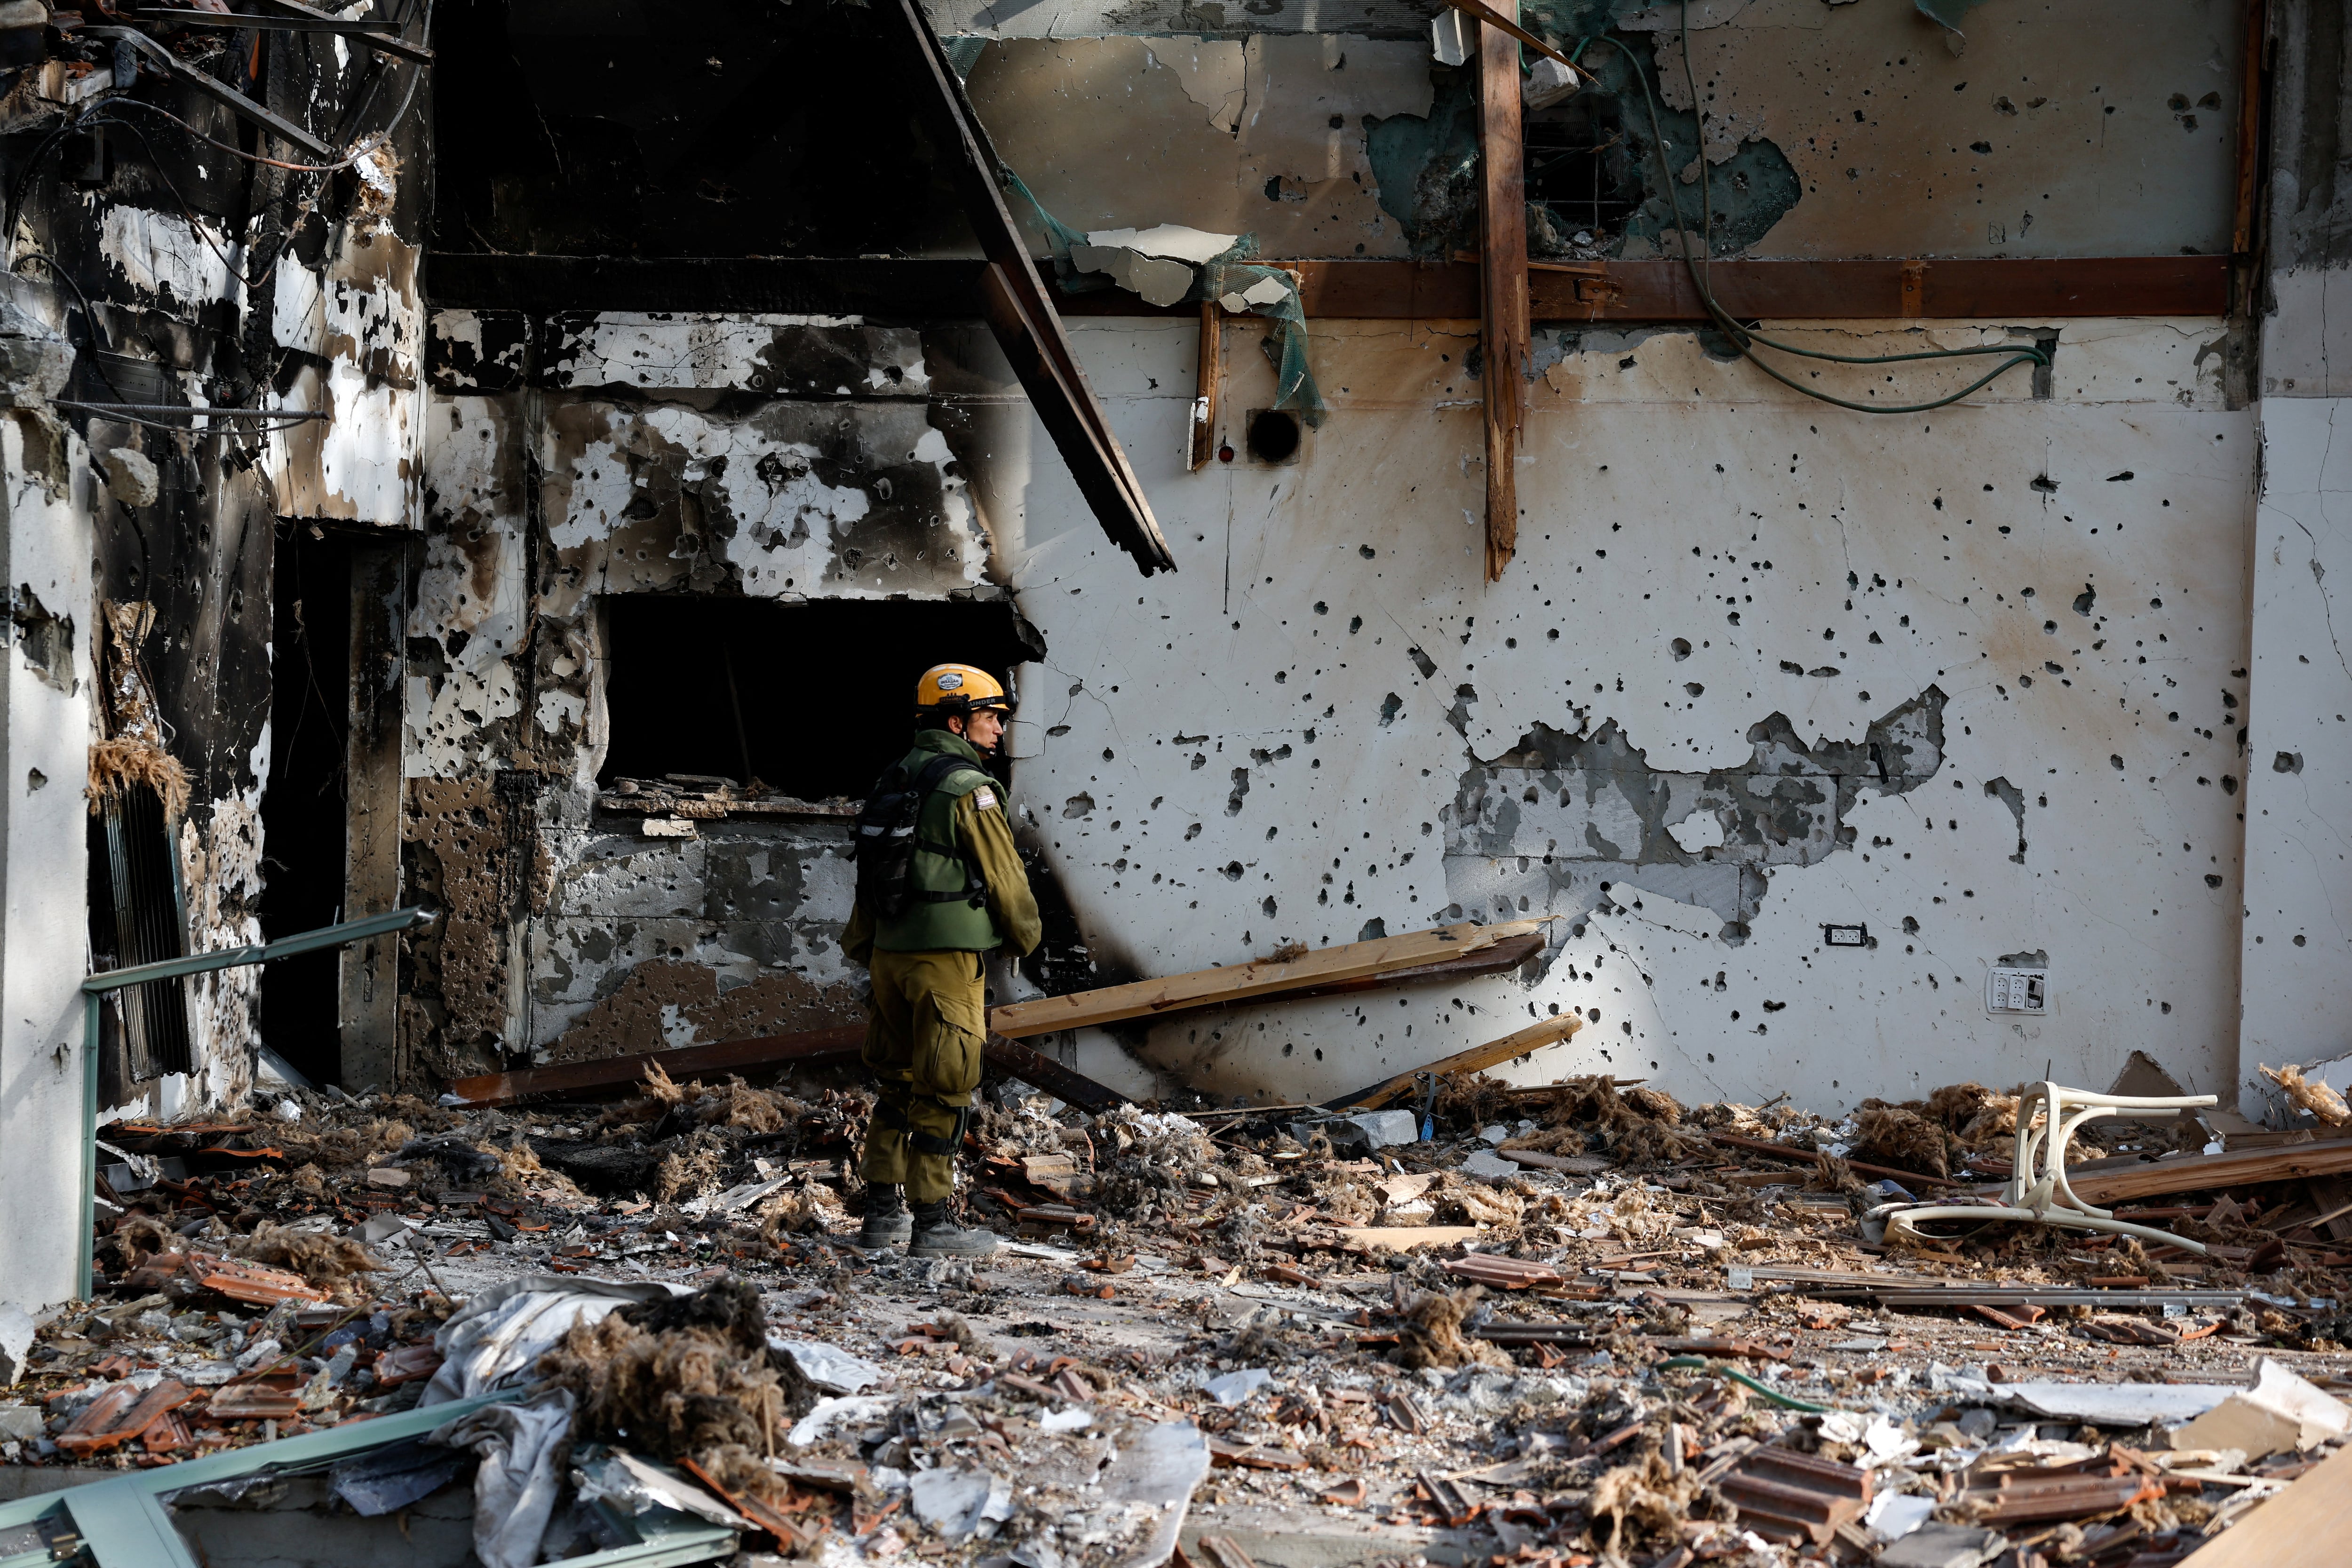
column 1580, row 1324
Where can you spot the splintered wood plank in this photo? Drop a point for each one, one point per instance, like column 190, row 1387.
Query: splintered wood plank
column 2201, row 1173
column 2308, row 1523
column 1477, row 1058
column 1204, row 988
column 1503, row 279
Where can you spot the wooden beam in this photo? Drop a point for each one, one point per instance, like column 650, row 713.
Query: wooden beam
column 1019, row 310
column 2201, row 1172
column 1502, row 279
column 1035, row 1067
column 1262, row 978
column 1211, row 370
column 1477, row 1058
column 948, row 288
column 2250, row 125
column 1417, row 956
column 369, row 971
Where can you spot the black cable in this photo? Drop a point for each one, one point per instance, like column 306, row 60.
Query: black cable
column 97, row 343
column 1741, row 337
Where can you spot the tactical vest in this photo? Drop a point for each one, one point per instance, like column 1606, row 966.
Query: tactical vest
column 927, row 926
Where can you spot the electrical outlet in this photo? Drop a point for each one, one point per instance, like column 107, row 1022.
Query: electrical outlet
column 2017, row 990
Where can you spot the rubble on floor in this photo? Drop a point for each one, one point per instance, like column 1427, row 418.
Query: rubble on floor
column 1580, row 1324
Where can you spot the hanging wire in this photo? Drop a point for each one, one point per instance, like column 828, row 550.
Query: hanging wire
column 1747, row 342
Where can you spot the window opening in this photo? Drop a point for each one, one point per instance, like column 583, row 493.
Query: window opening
column 810, row 700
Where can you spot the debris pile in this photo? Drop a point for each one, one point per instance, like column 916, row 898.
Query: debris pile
column 1577, row 1323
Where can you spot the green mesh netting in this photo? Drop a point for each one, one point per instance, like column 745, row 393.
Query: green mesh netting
column 1286, row 347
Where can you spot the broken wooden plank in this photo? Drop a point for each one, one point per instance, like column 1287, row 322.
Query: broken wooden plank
column 1477, row 1058
column 1063, row 1083
column 1019, row 310
column 948, row 288
column 2198, row 1172
column 1503, row 311
column 727, row 1055
column 2335, row 1207
column 1259, row 978
column 1807, row 1157
column 2316, row 1509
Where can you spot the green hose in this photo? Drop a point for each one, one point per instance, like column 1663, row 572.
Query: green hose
column 1700, row 1364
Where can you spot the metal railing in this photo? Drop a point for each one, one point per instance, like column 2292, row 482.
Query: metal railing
column 94, row 990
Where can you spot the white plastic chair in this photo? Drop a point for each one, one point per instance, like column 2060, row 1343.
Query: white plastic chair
column 2038, row 1188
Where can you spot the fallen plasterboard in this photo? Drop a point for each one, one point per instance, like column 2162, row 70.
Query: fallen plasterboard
column 1158, row 1468
column 2279, row 1412
column 1156, row 263
column 2111, row 1403
column 1405, row 1237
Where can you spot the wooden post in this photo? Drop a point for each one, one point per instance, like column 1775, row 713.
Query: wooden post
column 1503, row 279
column 371, row 968
column 1212, row 371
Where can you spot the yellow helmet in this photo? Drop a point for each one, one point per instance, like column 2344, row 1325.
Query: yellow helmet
column 958, row 690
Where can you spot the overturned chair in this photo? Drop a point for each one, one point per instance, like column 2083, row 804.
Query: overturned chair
column 2047, row 1118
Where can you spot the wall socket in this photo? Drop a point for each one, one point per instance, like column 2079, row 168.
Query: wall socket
column 2009, row 990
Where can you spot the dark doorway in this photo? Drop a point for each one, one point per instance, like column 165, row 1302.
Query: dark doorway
column 812, row 700
column 303, row 807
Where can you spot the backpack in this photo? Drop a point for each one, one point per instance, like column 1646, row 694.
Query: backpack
column 885, row 841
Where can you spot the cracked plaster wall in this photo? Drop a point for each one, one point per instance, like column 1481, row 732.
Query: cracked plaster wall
column 1324, row 725
column 575, row 457
column 1836, row 131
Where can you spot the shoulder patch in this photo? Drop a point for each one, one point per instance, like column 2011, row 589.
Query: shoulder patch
column 984, row 798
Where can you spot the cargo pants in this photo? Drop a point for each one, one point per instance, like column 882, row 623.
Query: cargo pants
column 924, row 1038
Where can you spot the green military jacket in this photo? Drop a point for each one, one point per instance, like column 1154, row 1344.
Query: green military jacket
column 966, row 812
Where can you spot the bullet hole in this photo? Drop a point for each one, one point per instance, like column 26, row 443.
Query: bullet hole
column 1910, row 926
column 1321, row 608
column 1107, row 756
column 2155, row 604
column 1199, row 762
column 1232, row 870
column 1365, row 550
column 35, row 779
column 2167, row 1006
column 2287, row 762
column 1078, row 805
column 2212, row 881
column 1355, row 624
column 2229, row 783
column 1694, row 688
column 2042, row 482
column 2116, row 762
column 2298, row 936
column 1273, row 436
column 1241, row 789
column 1553, row 633
column 1682, row 649
column 1192, row 833
column 1391, row 706
column 1268, row 907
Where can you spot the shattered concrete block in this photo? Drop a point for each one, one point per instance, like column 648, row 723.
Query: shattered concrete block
column 956, row 1502
column 1235, row 1387
column 130, row 476
column 20, row 1423
column 1546, row 84
column 1488, row 1166
column 1385, row 1128
column 1943, row 1546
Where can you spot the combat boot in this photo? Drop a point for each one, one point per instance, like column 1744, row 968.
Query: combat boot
column 887, row 1224
column 938, row 1235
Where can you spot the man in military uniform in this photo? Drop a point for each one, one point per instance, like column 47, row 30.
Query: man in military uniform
column 967, row 897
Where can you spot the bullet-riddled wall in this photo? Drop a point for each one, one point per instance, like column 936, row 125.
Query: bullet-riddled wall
column 1967, row 686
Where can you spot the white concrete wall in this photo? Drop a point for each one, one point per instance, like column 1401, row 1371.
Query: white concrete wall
column 2297, row 941
column 1327, row 640
column 45, row 735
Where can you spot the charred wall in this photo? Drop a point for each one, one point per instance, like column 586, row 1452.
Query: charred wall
column 190, row 274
